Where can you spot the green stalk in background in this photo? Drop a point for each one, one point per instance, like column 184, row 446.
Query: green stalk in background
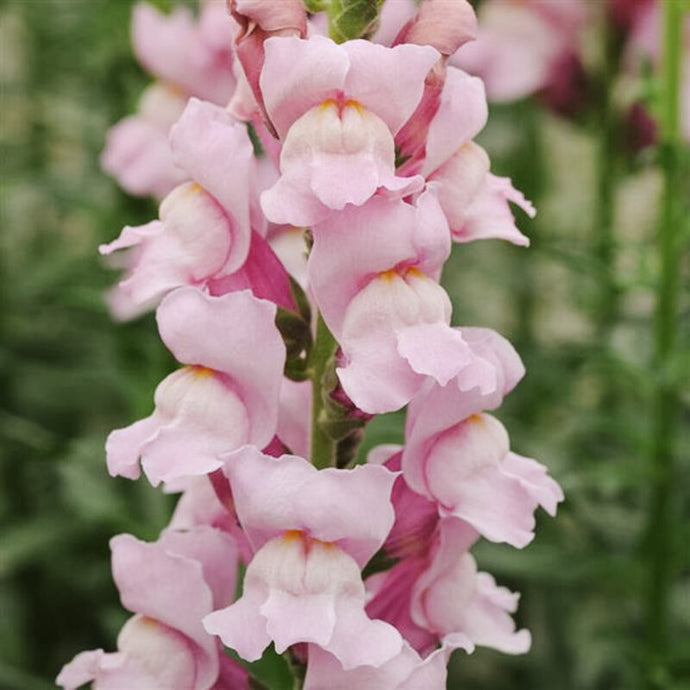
column 661, row 532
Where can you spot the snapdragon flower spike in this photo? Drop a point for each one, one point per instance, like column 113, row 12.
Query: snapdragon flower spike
column 459, row 456
column 226, row 396
column 337, row 118
column 169, row 585
column 313, row 531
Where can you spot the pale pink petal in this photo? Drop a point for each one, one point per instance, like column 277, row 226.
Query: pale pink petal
column 217, row 153
column 443, row 24
column 489, row 215
column 287, row 15
column 294, row 416
column 199, row 505
column 371, row 239
column 252, row 356
column 394, row 386
column 393, row 16
column 180, row 601
column 376, row 377
column 341, row 153
column 451, row 597
column 357, row 640
column 487, row 621
column 317, row 71
column 198, row 416
column 299, row 589
column 137, row 154
column 437, row 408
column 458, row 181
column 406, row 671
column 463, row 472
column 82, row 669
column 534, row 479
column 123, row 447
column 197, row 241
column 240, row 627
column 435, row 350
column 132, row 237
column 497, row 507
column 461, row 115
column 395, row 87
column 348, row 507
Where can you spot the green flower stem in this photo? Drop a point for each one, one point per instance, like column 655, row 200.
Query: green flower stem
column 661, row 531
column 322, row 444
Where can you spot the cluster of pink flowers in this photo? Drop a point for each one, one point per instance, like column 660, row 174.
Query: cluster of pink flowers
column 365, row 151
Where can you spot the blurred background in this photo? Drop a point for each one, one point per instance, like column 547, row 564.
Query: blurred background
column 578, row 305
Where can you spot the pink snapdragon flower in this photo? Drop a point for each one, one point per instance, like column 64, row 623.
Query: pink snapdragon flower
column 313, row 531
column 188, row 59
column 169, row 585
column 406, row 671
column 226, row 396
column 459, row 456
column 388, row 313
column 337, row 118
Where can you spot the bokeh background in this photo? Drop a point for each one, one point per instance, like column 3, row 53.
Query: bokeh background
column 578, row 308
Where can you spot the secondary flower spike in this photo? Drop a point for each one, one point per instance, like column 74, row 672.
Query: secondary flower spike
column 313, row 531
